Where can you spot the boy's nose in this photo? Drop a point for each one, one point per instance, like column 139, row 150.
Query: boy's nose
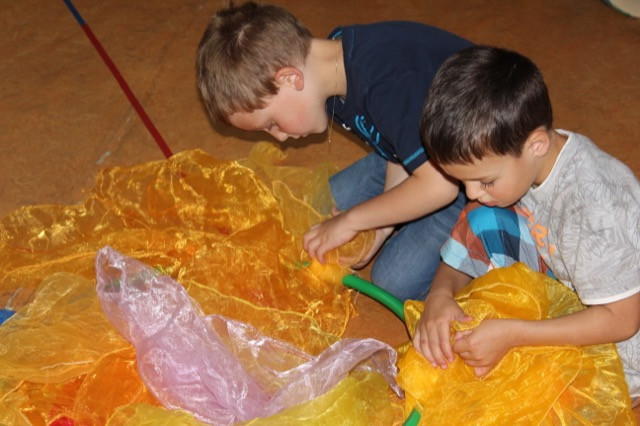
column 473, row 190
column 280, row 136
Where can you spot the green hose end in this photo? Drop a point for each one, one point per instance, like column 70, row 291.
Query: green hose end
column 413, row 419
column 375, row 292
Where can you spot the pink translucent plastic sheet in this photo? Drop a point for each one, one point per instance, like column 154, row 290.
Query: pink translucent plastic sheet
column 220, row 370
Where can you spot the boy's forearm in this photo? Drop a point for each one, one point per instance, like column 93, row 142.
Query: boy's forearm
column 448, row 281
column 418, row 195
column 609, row 323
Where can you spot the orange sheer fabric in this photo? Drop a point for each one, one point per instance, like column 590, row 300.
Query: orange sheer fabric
column 229, row 231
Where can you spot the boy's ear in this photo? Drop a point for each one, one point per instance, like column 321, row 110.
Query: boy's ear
column 291, row 76
column 539, row 142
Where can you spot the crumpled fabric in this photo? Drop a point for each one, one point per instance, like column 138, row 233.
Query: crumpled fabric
column 221, row 370
column 541, row 385
column 221, row 228
column 231, row 234
column 60, row 358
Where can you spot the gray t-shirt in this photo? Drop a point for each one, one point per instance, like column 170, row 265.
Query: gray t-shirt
column 585, row 218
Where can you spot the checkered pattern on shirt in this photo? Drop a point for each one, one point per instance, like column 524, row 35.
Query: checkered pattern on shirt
column 485, row 238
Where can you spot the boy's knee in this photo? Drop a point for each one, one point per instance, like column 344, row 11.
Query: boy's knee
column 485, row 220
column 359, row 182
column 482, row 214
column 340, row 191
column 501, row 233
column 386, row 281
column 401, row 285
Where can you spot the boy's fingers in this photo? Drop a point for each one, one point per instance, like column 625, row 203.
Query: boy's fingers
column 445, row 343
column 417, row 342
column 462, row 334
column 312, row 249
column 460, row 344
column 421, row 344
column 481, row 371
column 435, row 345
column 309, row 237
column 416, row 338
column 469, row 359
column 315, row 252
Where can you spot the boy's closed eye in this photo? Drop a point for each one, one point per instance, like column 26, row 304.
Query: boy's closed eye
column 486, row 184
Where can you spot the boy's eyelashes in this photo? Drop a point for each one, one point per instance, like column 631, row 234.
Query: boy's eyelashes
column 485, row 185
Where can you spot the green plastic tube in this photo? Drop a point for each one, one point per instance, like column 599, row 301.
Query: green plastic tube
column 375, row 292
column 413, row 419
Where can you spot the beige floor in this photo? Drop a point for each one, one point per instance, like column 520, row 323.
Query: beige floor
column 63, row 116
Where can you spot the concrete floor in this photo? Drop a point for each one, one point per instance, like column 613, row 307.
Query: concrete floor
column 63, row 116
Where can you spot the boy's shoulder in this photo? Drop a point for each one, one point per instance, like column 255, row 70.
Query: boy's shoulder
column 376, row 54
column 586, row 183
column 413, row 34
column 594, row 166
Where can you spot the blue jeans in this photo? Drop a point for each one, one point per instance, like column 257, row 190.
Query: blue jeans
column 408, row 260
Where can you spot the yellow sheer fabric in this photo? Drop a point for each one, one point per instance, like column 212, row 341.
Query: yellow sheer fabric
column 336, row 407
column 230, row 232
column 360, row 399
column 559, row 385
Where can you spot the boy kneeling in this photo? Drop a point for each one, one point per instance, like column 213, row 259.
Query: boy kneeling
column 549, row 198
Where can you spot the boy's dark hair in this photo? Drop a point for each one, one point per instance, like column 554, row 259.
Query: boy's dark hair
column 240, row 52
column 483, row 100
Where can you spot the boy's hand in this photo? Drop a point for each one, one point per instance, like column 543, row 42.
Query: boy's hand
column 381, row 236
column 432, row 337
column 485, row 345
column 327, row 235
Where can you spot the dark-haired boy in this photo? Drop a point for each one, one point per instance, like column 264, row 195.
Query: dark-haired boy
column 488, row 123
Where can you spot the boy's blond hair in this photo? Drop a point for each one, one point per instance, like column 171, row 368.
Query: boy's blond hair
column 240, row 52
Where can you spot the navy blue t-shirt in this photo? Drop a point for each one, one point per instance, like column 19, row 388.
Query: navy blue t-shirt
column 389, row 68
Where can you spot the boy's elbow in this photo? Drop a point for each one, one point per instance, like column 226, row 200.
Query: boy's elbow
column 631, row 329
column 628, row 332
column 635, row 303
column 455, row 191
column 446, row 190
column 629, row 316
column 635, row 323
column 451, row 193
